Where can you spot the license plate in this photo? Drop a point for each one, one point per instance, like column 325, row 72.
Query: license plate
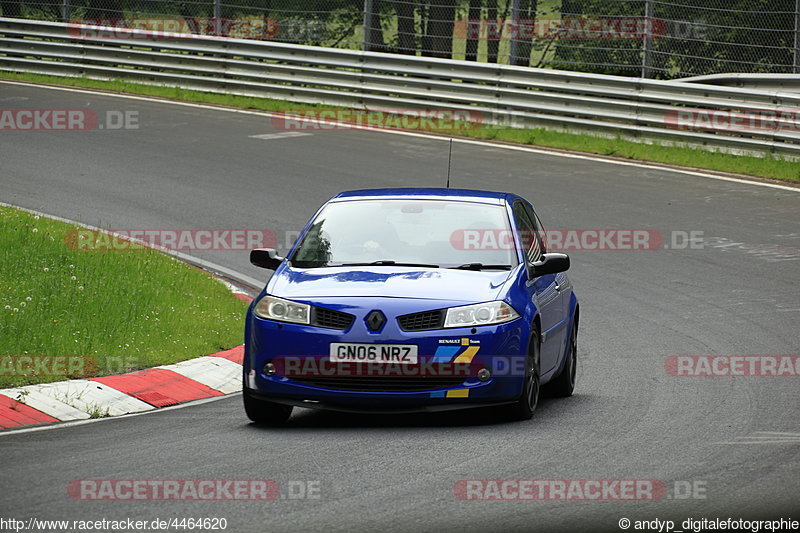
column 345, row 352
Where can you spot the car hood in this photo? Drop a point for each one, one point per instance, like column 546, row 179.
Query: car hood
column 396, row 282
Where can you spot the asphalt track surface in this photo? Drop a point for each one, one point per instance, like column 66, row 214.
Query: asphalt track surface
column 187, row 167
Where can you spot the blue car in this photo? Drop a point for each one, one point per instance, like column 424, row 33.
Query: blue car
column 412, row 300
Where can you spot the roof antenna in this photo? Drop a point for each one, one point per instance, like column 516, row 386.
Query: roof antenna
column 449, row 159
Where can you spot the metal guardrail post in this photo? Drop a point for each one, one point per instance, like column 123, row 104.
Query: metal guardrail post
column 367, row 40
column 217, row 17
column 647, row 39
column 66, row 11
column 514, row 28
column 797, row 36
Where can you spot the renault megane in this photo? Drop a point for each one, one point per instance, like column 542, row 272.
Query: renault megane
column 406, row 300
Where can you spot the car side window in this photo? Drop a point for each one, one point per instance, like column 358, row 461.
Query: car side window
column 528, row 234
column 541, row 234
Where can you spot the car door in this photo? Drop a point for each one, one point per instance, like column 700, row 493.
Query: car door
column 564, row 288
column 543, row 291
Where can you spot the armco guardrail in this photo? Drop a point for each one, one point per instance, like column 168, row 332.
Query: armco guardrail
column 764, row 82
column 732, row 119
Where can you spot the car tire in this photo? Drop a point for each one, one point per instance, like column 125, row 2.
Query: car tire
column 564, row 384
column 265, row 413
column 529, row 399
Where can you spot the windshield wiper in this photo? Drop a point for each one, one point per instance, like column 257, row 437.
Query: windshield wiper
column 384, row 262
column 480, row 266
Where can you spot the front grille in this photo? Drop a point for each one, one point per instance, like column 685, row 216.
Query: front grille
column 381, row 384
column 328, row 318
column 422, row 321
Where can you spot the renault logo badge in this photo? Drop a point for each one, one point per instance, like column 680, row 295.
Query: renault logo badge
column 375, row 320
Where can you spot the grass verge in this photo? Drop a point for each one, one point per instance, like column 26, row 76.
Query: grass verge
column 67, row 313
column 769, row 167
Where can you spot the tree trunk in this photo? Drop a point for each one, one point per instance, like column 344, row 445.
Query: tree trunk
column 569, row 9
column 379, row 45
column 373, row 39
column 473, row 29
column 493, row 32
column 441, row 17
column 406, row 35
column 524, row 29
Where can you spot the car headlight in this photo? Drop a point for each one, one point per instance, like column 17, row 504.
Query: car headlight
column 282, row 310
column 484, row 314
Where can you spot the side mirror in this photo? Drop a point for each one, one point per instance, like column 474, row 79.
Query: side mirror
column 266, row 258
column 551, row 264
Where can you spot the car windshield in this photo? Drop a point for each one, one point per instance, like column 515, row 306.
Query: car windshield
column 435, row 233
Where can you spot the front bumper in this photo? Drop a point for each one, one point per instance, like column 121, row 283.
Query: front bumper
column 463, row 351
column 378, row 407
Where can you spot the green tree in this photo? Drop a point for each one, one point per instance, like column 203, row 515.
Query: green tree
column 438, row 38
column 11, row 9
column 713, row 37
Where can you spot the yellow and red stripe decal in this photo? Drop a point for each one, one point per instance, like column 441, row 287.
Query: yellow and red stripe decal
column 464, row 357
column 467, row 355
